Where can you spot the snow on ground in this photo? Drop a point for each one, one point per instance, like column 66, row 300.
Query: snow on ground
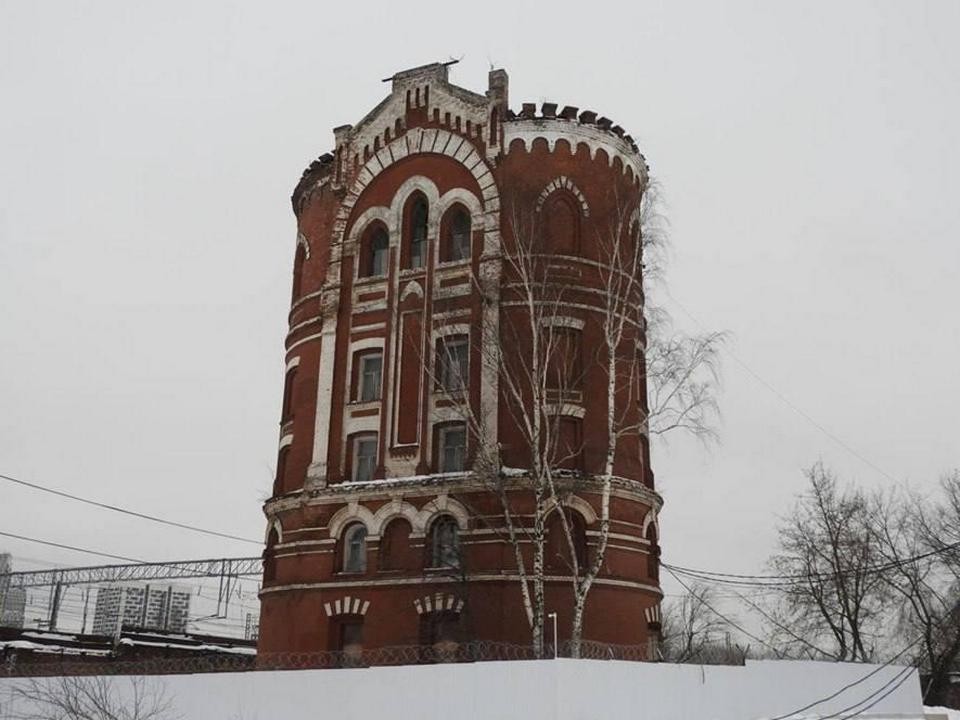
column 950, row 714
column 551, row 690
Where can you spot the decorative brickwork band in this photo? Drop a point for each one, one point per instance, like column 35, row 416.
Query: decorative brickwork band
column 438, row 603
column 347, row 606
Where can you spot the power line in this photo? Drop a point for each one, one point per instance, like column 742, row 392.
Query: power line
column 70, row 547
column 133, row 513
column 784, row 399
column 820, row 701
column 780, row 581
column 721, row 615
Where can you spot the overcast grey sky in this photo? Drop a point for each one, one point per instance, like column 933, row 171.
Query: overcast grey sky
column 808, row 153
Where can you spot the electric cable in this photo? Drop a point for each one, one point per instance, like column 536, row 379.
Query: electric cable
column 132, row 513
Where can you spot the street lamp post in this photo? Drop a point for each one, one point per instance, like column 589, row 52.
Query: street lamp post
column 556, row 642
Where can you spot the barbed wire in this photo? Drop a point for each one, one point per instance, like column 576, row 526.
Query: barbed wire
column 15, row 664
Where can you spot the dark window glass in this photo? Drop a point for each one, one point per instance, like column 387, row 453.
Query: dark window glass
column 355, row 549
column 364, row 458
column 453, row 363
column 371, row 365
column 445, row 544
column 418, row 234
column 459, row 243
column 379, row 253
column 453, row 448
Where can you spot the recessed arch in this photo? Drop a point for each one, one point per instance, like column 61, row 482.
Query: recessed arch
column 351, row 513
column 564, row 183
column 392, row 510
column 574, row 502
column 443, row 505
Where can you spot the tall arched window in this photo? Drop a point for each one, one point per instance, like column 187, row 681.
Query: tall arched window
column 269, row 562
column 286, row 410
column 374, row 252
column 455, row 243
column 445, row 543
column 561, row 224
column 416, row 238
column 558, row 545
column 281, row 470
column 298, row 261
column 653, row 554
column 355, row 548
column 395, row 545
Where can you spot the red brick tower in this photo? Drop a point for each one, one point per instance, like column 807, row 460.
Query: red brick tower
column 374, row 483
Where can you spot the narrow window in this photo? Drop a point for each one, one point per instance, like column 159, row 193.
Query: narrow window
column 375, row 254
column 286, row 410
column 364, row 457
column 453, row 448
column 653, row 554
column 453, row 363
column 370, row 369
column 457, row 241
column 418, row 233
column 562, row 226
column 281, row 470
column 445, row 543
column 298, row 261
column 355, row 548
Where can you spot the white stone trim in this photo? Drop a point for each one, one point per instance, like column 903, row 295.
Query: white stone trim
column 442, row 505
column 436, row 580
column 274, row 524
column 566, row 410
column 438, row 602
column 562, row 321
column 292, row 363
column 585, row 509
column 394, row 509
column 651, row 517
column 574, row 133
column 564, row 183
column 302, row 242
column 285, row 440
column 354, row 512
column 346, row 606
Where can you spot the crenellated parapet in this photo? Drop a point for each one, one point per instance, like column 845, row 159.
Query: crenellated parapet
column 577, row 128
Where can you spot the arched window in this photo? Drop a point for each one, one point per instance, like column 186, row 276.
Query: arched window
column 416, row 236
column 494, row 126
column 558, row 545
column 355, row 548
column 298, row 261
column 653, row 554
column 281, row 470
column 395, row 545
column 456, row 235
column 374, row 252
column 269, row 563
column 445, row 543
column 287, row 409
column 561, row 226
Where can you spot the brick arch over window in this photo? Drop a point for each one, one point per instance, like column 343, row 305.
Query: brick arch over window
column 560, row 218
column 351, row 513
column 443, row 505
column 566, row 184
column 427, row 140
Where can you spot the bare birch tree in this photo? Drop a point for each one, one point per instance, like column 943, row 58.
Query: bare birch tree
column 91, row 698
column 529, row 359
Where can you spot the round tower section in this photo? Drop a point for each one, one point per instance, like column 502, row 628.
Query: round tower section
column 382, row 529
